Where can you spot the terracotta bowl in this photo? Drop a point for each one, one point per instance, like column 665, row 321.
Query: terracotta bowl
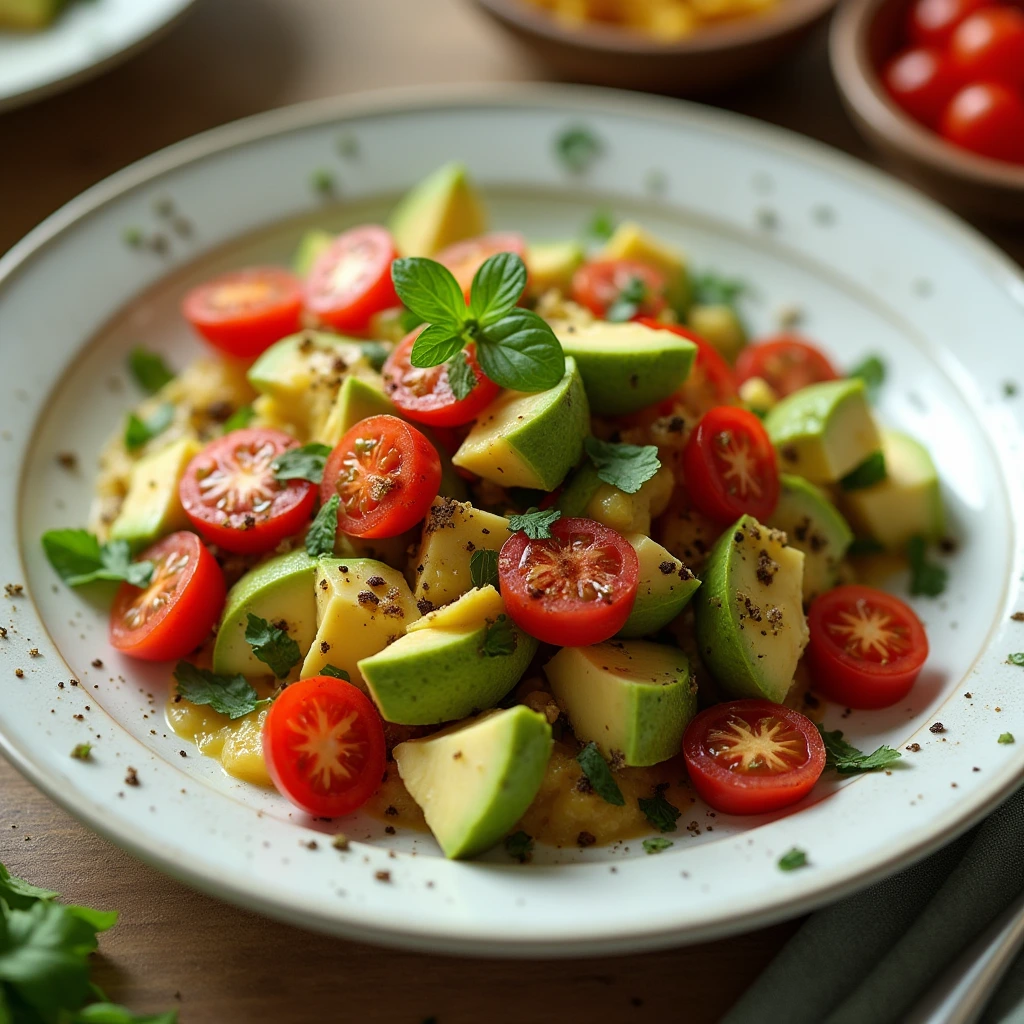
column 864, row 33
column 713, row 57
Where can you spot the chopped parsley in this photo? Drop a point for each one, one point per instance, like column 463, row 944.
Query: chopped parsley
column 461, row 378
column 322, row 181
column 272, row 645
column 82, row 752
column 659, row 812
column 149, row 370
column 599, row 775
column 519, row 845
column 79, row 558
column 536, row 524
column 303, row 463
column 872, row 372
column 657, row 844
column 138, row 432
column 870, row 472
column 483, row 568
column 335, row 673
column 846, row 759
column 500, row 638
column 628, row 303
column 228, row 695
column 577, row 148
column 1017, row 659
column 712, row 289
column 324, row 530
column 795, row 858
column 625, row 466
column 601, row 226
column 239, row 419
column 926, row 578
column 1006, row 737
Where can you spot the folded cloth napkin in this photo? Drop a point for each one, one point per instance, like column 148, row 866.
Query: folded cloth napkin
column 871, row 957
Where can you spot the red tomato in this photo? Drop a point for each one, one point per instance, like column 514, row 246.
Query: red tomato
column 424, row 395
column 711, row 381
column 787, row 362
column 464, row 259
column 246, row 311
column 752, row 756
column 987, row 118
column 922, row 82
column 177, row 611
column 386, row 474
column 598, row 286
column 324, row 746
column 931, row 22
column 866, row 648
column 233, row 499
column 351, row 280
column 574, row 589
column 730, row 467
column 988, row 46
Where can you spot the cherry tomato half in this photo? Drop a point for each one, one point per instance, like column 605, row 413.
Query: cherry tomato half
column 787, row 362
column 730, row 466
column 752, row 756
column 931, row 22
column 351, row 280
column 230, row 493
column 324, row 746
column 922, row 82
column 464, row 259
column 987, row 118
column 573, row 589
column 244, row 312
column 600, row 285
column 866, row 648
column 711, row 381
column 177, row 611
column 386, row 474
column 988, row 46
column 424, row 395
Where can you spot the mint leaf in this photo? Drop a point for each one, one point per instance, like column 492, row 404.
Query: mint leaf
column 461, row 378
column 429, row 289
column 927, row 578
column 627, row 304
column 1006, row 737
column 149, row 370
column 79, row 558
column 483, row 568
column 239, row 419
column 657, row 844
column 138, row 432
column 625, row 466
column 520, row 846
column 303, row 463
column 335, row 673
column 111, row 1013
column 520, row 351
column 577, row 148
column 500, row 638
column 19, row 894
column 534, row 523
column 434, row 345
column 229, row 695
column 599, row 775
column 659, row 812
column 497, row 286
column 870, row 472
column 323, row 532
column 272, row 645
column 872, row 372
column 712, row 289
column 795, row 858
column 1017, row 659
column 846, row 759
column 409, row 320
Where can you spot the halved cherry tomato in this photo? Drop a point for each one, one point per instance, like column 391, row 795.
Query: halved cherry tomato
column 464, row 259
column 752, row 756
column 178, row 610
column 730, row 466
column 351, row 280
column 787, row 362
column 598, row 286
column 988, row 46
column 987, row 118
column 323, row 742
column 931, row 22
column 246, row 311
column 386, row 474
column 230, row 493
column 922, row 82
column 574, row 589
column 711, row 381
column 426, row 396
column 866, row 648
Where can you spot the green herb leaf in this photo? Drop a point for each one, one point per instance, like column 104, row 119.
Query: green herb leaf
column 535, row 523
column 228, row 695
column 149, row 370
column 657, row 844
column 846, row 759
column 625, row 466
column 376, row 352
column 927, row 578
column 335, row 673
column 712, row 289
column 599, row 775
column 628, row 303
column 272, row 645
column 483, row 568
column 601, row 226
column 870, row 472
column 323, row 532
column 659, row 812
column 82, row 751
column 79, row 558
column 435, row 345
column 322, row 181
column 138, row 432
column 792, row 860
column 111, row 1013
column 429, row 290
column 577, row 148
column 872, row 372
column 520, row 846
column 461, row 378
column 239, row 419
column 19, row 894
column 500, row 638
column 1016, row 659
column 1006, row 737
column 409, row 320
column 303, row 463
column 497, row 286
column 520, row 351
column 865, row 546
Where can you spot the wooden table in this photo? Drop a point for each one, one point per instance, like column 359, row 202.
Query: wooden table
column 227, row 59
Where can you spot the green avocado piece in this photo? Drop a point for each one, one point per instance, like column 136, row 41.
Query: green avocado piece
column 750, row 623
column 720, row 326
column 634, row 699
column 475, row 780
column 443, row 208
column 666, row 587
column 814, row 526
column 587, row 495
column 552, row 264
column 824, row 430
column 280, row 591
column 529, row 439
column 290, row 367
column 627, row 367
column 358, row 398
column 310, row 246
column 630, row 241
column 29, row 14
column 579, row 490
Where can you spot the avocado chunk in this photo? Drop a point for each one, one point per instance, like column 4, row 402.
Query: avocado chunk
column 824, row 430
column 750, row 620
column 587, row 495
column 627, row 367
column 152, row 508
column 552, row 264
column 29, row 14
column 634, row 699
column 280, row 591
column 632, row 242
column 435, row 675
column 362, row 605
column 908, row 503
column 720, row 326
column 665, row 588
column 529, row 439
column 814, row 526
column 452, row 531
column 311, row 245
column 477, row 605
column 475, row 780
column 443, row 208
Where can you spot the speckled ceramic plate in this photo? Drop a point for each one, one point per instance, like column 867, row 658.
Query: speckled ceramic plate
column 874, row 267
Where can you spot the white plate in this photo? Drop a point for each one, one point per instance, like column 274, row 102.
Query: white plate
column 89, row 36
column 875, row 267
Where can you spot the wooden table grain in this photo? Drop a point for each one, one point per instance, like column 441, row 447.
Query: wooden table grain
column 173, row 947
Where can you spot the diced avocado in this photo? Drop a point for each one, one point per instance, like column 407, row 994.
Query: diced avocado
column 529, row 440
column 437, row 675
column 359, row 396
column 475, row 780
column 627, row 367
column 280, row 591
column 632, row 242
column 758, row 395
column 29, row 14
column 579, row 489
column 814, row 526
column 665, row 588
column 452, row 531
column 362, row 605
column 750, row 621
column 310, row 246
column 588, row 496
column 720, row 326
column 634, row 699
column 552, row 264
column 824, row 430
column 393, row 551
column 389, row 325
column 151, row 508
column 906, row 504
column 443, row 208
column 475, row 606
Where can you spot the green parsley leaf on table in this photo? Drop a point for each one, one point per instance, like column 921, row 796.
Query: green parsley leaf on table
column 461, row 378
column 659, row 812
column 335, row 673
column 229, row 695
column 497, row 287
column 520, row 352
column 1006, row 737
column 795, row 858
column 149, row 370
column 1017, row 659
column 870, row 472
column 500, row 638
column 520, row 846
column 657, row 844
column 534, row 523
column 927, row 578
column 138, row 432
column 577, row 147
column 599, row 775
column 483, row 568
column 323, row 532
column 239, row 419
column 429, row 290
column 846, row 759
column 872, row 372
column 628, row 303
column 303, row 463
column 625, row 466
column 79, row 558
column 272, row 645
column 711, row 289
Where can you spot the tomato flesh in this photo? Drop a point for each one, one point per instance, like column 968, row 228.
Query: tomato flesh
column 176, row 613
column 600, row 285
column 787, row 363
column 573, row 589
column 988, row 46
column 464, row 259
column 752, row 756
column 323, row 742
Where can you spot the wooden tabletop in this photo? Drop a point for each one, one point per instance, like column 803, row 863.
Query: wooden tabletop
column 227, row 59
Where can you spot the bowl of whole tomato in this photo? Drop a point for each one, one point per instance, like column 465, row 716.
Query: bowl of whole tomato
column 938, row 87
